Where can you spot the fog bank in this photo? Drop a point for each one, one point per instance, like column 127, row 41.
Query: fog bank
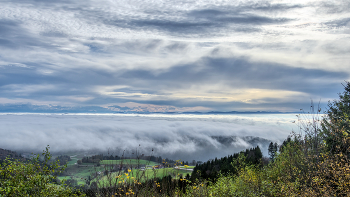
column 178, row 136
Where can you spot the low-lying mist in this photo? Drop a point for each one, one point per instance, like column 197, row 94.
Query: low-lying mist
column 185, row 137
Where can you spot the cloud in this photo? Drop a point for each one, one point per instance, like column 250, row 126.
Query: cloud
column 14, row 36
column 234, row 17
column 213, row 81
column 335, row 7
column 210, row 55
column 238, row 72
column 165, row 56
column 203, row 22
column 344, row 22
column 185, row 137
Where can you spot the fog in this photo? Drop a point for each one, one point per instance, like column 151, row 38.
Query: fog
column 176, row 136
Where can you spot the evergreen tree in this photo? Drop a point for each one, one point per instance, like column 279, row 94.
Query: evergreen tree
column 258, row 154
column 272, row 150
column 337, row 119
column 211, row 169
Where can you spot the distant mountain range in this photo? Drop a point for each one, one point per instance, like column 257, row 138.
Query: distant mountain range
column 29, row 108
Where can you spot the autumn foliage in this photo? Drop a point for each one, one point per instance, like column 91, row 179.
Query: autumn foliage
column 312, row 162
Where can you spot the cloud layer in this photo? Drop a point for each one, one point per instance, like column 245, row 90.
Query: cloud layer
column 186, row 137
column 173, row 56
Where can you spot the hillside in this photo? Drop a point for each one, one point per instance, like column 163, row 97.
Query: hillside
column 8, row 153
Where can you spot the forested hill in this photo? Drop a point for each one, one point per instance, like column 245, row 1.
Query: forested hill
column 8, row 153
column 211, row 169
column 255, row 141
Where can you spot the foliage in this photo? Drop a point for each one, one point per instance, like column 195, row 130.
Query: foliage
column 127, row 162
column 337, row 120
column 313, row 163
column 10, row 154
column 93, row 159
column 34, row 178
column 211, row 170
column 272, row 150
column 63, row 159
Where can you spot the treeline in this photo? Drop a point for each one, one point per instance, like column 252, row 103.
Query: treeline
column 153, row 158
column 63, row 159
column 9, row 154
column 100, row 157
column 211, row 170
column 93, row 159
column 160, row 160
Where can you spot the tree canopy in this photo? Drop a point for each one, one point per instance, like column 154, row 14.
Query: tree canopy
column 33, row 178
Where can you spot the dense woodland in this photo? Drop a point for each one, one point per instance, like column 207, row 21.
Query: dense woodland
column 212, row 170
column 100, row 157
column 63, row 159
column 9, row 154
column 313, row 161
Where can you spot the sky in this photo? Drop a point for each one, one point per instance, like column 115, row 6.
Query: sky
column 171, row 56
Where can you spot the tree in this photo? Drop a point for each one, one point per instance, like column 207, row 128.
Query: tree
column 285, row 142
column 272, row 150
column 258, row 155
column 337, row 120
column 34, row 178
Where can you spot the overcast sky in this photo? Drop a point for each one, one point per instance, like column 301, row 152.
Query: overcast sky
column 171, row 55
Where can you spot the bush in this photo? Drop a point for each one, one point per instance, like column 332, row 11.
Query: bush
column 34, row 178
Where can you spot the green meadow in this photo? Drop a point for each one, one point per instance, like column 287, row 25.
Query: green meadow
column 138, row 175
column 81, row 173
column 128, row 162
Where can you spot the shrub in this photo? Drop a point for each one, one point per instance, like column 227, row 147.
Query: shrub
column 34, row 178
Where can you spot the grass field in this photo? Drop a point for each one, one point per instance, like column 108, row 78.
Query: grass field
column 72, row 162
column 81, row 173
column 188, row 167
column 164, row 172
column 79, row 181
column 140, row 176
column 128, row 162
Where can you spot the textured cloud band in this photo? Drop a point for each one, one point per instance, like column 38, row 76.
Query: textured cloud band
column 199, row 137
